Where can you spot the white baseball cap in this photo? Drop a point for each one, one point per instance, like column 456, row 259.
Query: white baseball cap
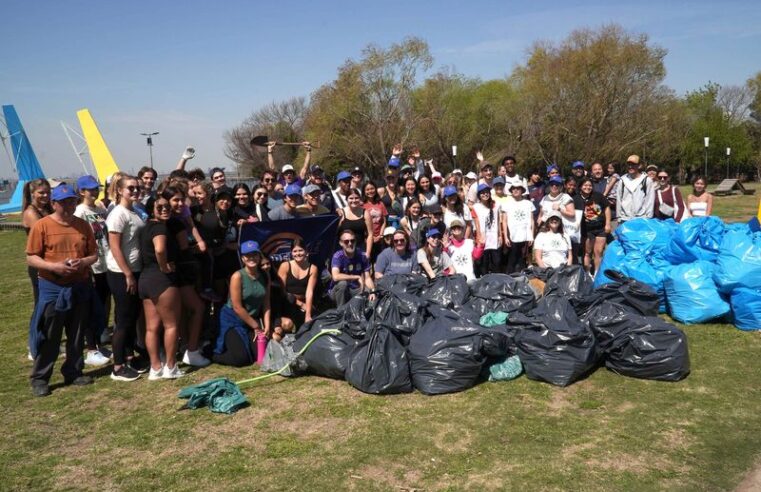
column 287, row 168
column 388, row 231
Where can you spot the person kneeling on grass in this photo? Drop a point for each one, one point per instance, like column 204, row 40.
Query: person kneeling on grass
column 247, row 312
column 62, row 249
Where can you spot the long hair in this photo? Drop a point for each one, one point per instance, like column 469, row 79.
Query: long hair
column 458, row 206
column 410, row 203
column 29, row 188
column 120, row 184
column 546, row 226
column 113, row 184
column 490, row 206
column 376, row 197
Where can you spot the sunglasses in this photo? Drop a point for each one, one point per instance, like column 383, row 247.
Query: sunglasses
column 259, row 195
column 218, row 177
column 163, row 207
column 348, row 241
column 133, row 189
column 663, row 177
column 288, row 172
column 268, row 180
column 400, row 241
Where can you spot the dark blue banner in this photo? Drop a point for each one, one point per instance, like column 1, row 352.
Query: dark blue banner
column 275, row 238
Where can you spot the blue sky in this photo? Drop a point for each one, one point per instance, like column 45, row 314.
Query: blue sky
column 193, row 69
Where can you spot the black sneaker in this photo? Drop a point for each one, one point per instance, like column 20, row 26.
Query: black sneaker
column 140, row 365
column 125, row 373
column 80, row 381
column 40, row 389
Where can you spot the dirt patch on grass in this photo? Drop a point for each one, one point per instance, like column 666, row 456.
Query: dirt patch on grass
column 752, row 480
column 625, row 407
column 622, row 462
column 560, row 399
column 393, row 475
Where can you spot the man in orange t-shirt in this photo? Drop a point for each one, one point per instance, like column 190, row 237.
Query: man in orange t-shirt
column 62, row 248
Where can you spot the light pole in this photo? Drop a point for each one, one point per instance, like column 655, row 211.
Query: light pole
column 149, row 141
column 729, row 151
column 705, row 152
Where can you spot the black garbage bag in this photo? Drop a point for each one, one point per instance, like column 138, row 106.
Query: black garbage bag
column 499, row 292
column 405, row 313
column 446, row 353
column 408, row 283
column 448, row 290
column 328, row 356
column 540, row 273
column 644, row 347
column 639, row 297
column 379, row 364
column 553, row 345
column 569, row 281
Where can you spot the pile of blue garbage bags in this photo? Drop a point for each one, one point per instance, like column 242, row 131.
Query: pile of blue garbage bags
column 702, row 269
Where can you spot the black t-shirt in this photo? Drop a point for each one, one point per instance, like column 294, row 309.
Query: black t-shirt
column 211, row 226
column 594, row 210
column 153, row 229
column 243, row 212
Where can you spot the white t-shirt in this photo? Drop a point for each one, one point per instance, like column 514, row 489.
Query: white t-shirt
column 129, row 224
column 520, row 215
column 449, row 216
column 96, row 217
column 490, row 233
column 554, row 247
column 548, row 202
column 462, row 258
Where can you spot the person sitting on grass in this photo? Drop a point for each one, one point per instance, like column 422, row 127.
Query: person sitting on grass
column 247, row 312
column 433, row 260
column 551, row 246
column 349, row 269
column 62, row 249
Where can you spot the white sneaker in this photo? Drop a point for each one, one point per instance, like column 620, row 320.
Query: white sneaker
column 195, row 359
column 29, row 355
column 172, row 373
column 96, row 359
column 156, row 375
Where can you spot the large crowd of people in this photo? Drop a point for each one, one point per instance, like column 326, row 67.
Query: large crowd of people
column 166, row 256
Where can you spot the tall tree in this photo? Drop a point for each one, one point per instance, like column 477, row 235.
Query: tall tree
column 368, row 108
column 593, row 96
column 282, row 121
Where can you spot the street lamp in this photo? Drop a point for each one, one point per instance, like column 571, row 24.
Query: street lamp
column 729, row 151
column 705, row 152
column 149, row 142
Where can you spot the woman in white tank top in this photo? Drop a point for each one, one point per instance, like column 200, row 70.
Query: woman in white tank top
column 700, row 202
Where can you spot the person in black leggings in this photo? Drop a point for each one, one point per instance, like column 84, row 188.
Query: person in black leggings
column 124, row 264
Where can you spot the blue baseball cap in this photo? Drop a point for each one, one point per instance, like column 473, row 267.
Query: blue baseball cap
column 87, row 182
column 551, row 167
column 578, row 164
column 432, row 232
column 449, row 191
column 249, row 247
column 292, row 189
column 343, row 175
column 556, row 180
column 483, row 187
column 62, row 192
column 394, row 161
column 499, row 180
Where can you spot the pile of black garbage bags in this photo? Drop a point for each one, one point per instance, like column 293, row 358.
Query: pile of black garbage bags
column 423, row 335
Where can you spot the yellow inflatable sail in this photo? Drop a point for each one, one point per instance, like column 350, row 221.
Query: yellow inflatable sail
column 101, row 157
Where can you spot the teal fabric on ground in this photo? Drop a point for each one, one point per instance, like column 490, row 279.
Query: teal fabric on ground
column 493, row 319
column 508, row 369
column 221, row 396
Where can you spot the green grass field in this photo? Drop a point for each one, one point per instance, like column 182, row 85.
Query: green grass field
column 607, row 432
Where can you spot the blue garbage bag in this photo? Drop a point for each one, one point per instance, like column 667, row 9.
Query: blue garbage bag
column 692, row 295
column 739, row 261
column 746, row 308
column 651, row 271
column 696, row 238
column 613, row 256
column 645, row 236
